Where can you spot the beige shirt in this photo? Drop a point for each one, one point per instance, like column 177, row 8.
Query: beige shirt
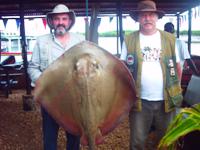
column 47, row 49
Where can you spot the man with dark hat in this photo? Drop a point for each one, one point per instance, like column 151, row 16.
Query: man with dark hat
column 151, row 57
column 47, row 49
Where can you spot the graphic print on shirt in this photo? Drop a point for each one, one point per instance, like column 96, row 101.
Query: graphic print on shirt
column 151, row 55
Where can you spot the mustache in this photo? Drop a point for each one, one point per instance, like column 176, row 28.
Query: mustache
column 60, row 25
column 147, row 22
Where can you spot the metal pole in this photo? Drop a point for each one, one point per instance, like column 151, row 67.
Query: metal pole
column 178, row 26
column 86, row 21
column 189, row 29
column 121, row 34
column 117, row 34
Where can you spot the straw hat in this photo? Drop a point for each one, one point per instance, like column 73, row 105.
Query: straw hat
column 146, row 6
column 58, row 9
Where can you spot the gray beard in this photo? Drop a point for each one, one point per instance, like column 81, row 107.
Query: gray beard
column 61, row 31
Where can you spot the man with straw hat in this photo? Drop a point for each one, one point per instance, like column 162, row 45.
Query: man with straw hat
column 47, row 49
column 151, row 57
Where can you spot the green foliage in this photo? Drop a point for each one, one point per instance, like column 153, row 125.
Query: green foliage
column 108, row 34
column 186, row 121
column 114, row 33
column 194, row 33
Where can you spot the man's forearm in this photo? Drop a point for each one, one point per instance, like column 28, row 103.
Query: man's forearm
column 179, row 71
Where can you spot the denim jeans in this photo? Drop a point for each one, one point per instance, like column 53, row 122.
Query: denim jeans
column 50, row 134
column 152, row 114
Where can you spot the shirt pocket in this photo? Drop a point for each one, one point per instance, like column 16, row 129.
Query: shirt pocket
column 44, row 57
column 43, row 65
column 175, row 94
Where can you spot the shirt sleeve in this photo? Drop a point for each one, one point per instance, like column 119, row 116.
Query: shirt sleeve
column 34, row 65
column 186, row 54
column 182, row 50
column 177, row 53
column 124, row 52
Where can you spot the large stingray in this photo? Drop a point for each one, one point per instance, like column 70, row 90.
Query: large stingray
column 88, row 91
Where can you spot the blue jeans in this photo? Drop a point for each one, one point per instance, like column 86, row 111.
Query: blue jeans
column 50, row 134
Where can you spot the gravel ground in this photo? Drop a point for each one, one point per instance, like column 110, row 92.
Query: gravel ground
column 21, row 130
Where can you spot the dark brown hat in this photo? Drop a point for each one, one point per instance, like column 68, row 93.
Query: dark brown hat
column 146, row 6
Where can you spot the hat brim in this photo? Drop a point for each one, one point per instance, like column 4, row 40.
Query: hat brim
column 60, row 12
column 134, row 13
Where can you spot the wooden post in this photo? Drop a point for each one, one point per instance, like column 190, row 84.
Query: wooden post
column 94, row 24
column 28, row 103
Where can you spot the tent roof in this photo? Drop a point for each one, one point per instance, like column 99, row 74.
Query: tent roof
column 41, row 7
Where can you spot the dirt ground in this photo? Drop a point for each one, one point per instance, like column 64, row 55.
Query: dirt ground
column 21, row 130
